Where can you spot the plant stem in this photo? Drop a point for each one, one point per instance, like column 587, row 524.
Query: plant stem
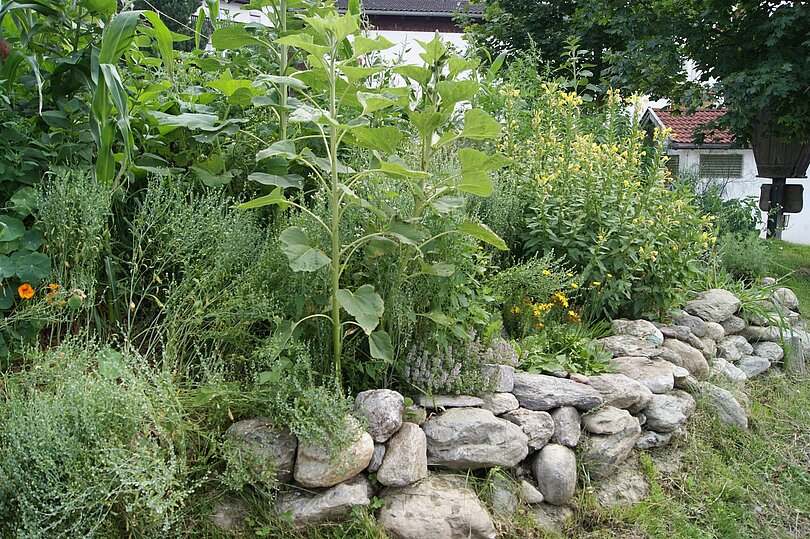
column 282, row 68
column 335, row 218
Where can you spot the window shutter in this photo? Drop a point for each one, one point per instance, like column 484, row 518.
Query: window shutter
column 721, row 166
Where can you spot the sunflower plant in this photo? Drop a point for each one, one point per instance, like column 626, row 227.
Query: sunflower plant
column 337, row 108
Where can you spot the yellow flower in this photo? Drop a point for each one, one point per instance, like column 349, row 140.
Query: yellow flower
column 610, row 275
column 570, row 274
column 574, row 285
column 515, row 310
column 559, row 299
column 595, row 283
column 574, row 317
column 546, row 272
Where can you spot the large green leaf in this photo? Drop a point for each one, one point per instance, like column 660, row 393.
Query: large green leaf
column 396, row 167
column 365, row 305
column 409, row 233
column 483, row 233
column 301, row 255
column 475, row 165
column 104, row 8
column 275, row 197
column 385, row 139
column 374, row 102
column 379, row 246
column 24, row 201
column 31, row 267
column 31, row 240
column 10, row 228
column 415, row 73
column 118, row 36
column 478, row 125
column 453, row 92
column 232, row 37
column 164, row 39
column 379, row 344
column 230, row 86
column 305, row 42
column 286, row 181
column 284, row 148
column 428, row 122
column 8, row 268
column 364, row 45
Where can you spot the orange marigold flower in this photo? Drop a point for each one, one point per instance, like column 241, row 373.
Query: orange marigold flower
column 25, row 291
column 53, row 286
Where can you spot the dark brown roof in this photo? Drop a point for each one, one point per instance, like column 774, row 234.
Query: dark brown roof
column 425, row 8
column 688, row 128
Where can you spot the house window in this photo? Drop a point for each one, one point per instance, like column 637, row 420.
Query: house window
column 673, row 165
column 721, row 166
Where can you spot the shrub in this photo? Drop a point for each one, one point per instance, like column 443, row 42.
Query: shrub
column 603, row 204
column 90, row 452
column 744, row 255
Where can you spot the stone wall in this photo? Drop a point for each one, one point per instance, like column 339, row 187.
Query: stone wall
column 539, row 427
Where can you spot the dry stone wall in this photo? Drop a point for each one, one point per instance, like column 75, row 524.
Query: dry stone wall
column 540, row 427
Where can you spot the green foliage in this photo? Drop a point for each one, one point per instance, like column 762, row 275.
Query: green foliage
column 732, row 216
column 90, row 452
column 746, row 256
column 603, row 204
column 567, row 347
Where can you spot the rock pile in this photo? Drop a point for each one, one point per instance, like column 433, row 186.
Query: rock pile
column 531, row 425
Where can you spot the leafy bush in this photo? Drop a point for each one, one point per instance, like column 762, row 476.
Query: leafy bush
column 567, row 347
column 603, row 204
column 90, row 452
column 744, row 255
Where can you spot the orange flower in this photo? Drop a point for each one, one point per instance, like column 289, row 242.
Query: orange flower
column 25, row 291
column 53, row 286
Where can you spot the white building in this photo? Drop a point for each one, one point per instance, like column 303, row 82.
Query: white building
column 716, row 159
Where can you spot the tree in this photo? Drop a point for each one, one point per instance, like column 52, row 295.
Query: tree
column 176, row 14
column 751, row 55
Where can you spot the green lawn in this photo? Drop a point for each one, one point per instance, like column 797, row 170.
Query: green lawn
column 791, row 264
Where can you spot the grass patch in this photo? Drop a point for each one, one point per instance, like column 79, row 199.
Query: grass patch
column 729, row 483
column 790, row 263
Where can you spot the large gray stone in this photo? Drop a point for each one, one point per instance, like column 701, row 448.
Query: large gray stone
column 405, row 459
column 538, row 426
column 650, row 439
column 540, row 392
column 439, row 506
column 728, row 373
column 607, row 420
column 733, row 348
column 473, row 438
column 656, row 374
column 753, row 366
column 382, row 409
column 529, row 493
column 448, row 401
column 501, row 377
column 732, row 325
column 268, row 452
column 500, row 403
column 708, row 347
column 628, row 345
column 332, row 504
column 681, row 354
column 638, row 328
column 714, row 305
column 769, row 350
column 551, row 518
column 668, row 412
column 622, row 391
column 696, row 325
column 787, row 298
column 603, row 453
column 728, row 409
column 715, row 331
column 567, row 426
column 376, row 458
column 555, row 470
column 317, row 466
column 627, row 486
column 230, row 515
column 759, row 333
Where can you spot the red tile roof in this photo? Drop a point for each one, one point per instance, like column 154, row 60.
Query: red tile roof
column 685, row 127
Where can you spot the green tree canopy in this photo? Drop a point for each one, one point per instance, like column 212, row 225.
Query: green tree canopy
column 752, row 55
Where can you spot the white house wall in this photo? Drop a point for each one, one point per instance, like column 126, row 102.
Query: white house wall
column 798, row 228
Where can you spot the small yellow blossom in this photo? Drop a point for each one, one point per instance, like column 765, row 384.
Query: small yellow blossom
column 574, row 317
column 574, row 285
column 546, row 272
